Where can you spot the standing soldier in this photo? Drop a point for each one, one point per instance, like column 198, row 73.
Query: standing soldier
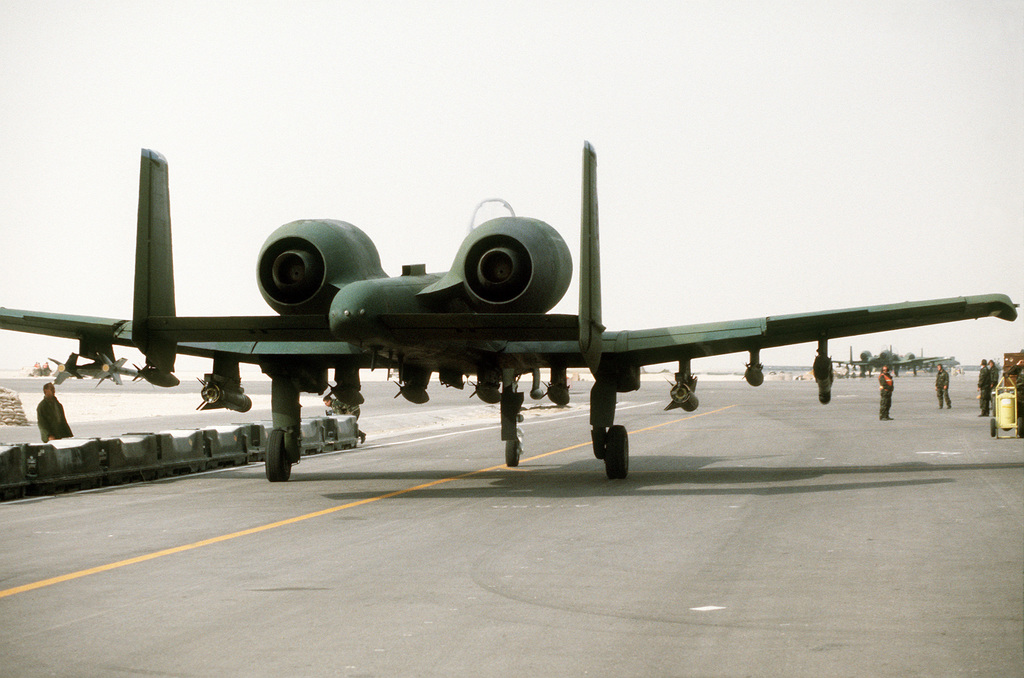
column 885, row 388
column 983, row 388
column 942, row 387
column 50, row 416
column 993, row 379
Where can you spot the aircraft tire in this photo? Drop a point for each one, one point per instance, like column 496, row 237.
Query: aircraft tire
column 279, row 469
column 513, row 451
column 616, row 455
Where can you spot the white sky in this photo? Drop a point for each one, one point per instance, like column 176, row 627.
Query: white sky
column 754, row 158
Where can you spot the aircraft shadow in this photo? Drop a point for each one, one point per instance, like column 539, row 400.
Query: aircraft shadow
column 653, row 476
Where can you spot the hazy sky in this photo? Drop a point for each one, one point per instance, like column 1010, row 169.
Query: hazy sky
column 754, row 158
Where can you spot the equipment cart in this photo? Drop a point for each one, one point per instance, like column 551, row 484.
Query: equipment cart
column 1006, row 418
column 1007, row 408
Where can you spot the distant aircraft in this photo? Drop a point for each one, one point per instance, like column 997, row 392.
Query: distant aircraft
column 868, row 362
column 486, row 316
column 100, row 368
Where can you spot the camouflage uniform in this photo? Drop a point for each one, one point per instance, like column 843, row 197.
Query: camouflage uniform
column 338, row 407
column 983, row 389
column 942, row 387
column 885, row 388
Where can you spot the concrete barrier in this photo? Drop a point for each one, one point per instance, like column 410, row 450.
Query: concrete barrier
column 13, row 472
column 131, row 457
column 258, row 433
column 78, row 463
column 181, row 451
column 226, row 445
column 69, row 463
column 340, row 431
column 312, row 435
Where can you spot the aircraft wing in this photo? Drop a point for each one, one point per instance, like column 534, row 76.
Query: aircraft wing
column 666, row 344
column 551, row 334
column 241, row 336
column 108, row 330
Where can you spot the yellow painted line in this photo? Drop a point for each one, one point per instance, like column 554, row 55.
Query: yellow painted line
column 297, row 519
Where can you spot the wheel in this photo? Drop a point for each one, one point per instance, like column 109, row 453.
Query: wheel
column 1020, row 427
column 992, row 426
column 514, row 449
column 279, row 469
column 600, row 438
column 616, row 453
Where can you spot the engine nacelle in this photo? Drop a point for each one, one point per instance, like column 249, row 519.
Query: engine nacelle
column 302, row 264
column 508, row 265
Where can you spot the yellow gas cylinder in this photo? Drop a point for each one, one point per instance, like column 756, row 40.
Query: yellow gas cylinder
column 1006, row 407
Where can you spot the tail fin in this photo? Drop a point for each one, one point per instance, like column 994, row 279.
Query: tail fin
column 591, row 328
column 154, row 270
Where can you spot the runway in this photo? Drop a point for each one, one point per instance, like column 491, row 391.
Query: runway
column 762, row 535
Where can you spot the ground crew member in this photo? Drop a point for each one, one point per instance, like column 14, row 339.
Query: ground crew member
column 885, row 388
column 50, row 416
column 983, row 388
column 942, row 387
column 335, row 406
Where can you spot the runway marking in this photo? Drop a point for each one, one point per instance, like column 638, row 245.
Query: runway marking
column 298, row 519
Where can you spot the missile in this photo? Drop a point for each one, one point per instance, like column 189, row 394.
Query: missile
column 222, row 393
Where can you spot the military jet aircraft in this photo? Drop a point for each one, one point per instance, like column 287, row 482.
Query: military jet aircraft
column 101, row 367
column 487, row 317
column 868, row 362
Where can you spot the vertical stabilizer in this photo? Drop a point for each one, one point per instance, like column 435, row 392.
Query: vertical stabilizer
column 154, row 271
column 591, row 327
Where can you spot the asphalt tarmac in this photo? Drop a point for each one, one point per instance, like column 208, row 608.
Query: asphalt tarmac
column 763, row 535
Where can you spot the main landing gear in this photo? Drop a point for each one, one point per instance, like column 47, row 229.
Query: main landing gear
column 611, row 442
column 511, row 406
column 284, row 442
column 612, row 446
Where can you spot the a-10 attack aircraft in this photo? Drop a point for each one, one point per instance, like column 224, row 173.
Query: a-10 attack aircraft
column 897, row 362
column 486, row 317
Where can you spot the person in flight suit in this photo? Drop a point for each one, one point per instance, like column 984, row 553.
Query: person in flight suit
column 50, row 416
column 885, row 389
column 942, row 387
